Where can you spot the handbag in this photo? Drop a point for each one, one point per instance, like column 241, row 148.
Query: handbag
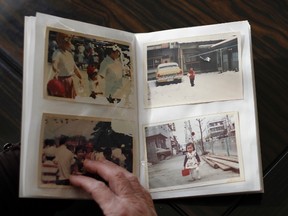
column 185, row 172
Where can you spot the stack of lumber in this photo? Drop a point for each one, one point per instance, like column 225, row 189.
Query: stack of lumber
column 222, row 162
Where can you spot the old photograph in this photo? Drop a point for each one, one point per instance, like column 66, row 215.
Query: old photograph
column 82, row 68
column 194, row 70
column 66, row 141
column 194, row 152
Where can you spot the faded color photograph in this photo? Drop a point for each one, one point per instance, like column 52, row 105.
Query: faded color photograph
column 66, row 141
column 194, row 152
column 86, row 69
column 194, row 70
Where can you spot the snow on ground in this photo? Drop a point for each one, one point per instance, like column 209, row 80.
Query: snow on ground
column 208, row 87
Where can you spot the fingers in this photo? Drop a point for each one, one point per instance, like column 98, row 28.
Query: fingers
column 121, row 182
column 124, row 188
column 106, row 169
column 119, row 179
column 120, row 185
column 98, row 190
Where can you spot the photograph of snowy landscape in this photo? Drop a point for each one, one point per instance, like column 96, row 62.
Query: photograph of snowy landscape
column 196, row 70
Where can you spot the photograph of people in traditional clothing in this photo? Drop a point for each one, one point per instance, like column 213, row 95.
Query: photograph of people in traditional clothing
column 87, row 69
column 68, row 141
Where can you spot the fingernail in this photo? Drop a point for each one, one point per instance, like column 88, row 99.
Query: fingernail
column 87, row 161
column 102, row 159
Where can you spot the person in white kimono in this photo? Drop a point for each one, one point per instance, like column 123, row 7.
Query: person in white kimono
column 111, row 73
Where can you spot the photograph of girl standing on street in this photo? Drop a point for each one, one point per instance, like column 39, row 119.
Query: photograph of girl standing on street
column 87, row 69
column 208, row 146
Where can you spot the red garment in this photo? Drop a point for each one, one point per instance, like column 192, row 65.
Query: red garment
column 68, row 84
column 191, row 74
column 92, row 72
column 55, row 88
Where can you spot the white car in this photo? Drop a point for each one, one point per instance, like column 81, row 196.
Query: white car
column 168, row 73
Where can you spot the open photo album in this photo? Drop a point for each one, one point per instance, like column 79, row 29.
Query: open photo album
column 177, row 108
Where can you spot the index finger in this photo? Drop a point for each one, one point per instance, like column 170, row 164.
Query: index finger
column 106, row 169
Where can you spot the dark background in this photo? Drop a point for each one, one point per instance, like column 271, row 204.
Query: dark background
column 269, row 26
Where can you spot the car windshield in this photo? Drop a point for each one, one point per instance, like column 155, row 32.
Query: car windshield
column 168, row 66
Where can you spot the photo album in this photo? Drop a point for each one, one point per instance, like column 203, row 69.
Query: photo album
column 177, row 108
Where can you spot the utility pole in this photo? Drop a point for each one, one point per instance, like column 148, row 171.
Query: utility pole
column 201, row 135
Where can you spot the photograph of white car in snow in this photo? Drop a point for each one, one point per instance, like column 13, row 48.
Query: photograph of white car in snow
column 168, row 73
column 216, row 64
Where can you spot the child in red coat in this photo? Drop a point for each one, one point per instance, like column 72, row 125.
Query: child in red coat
column 191, row 75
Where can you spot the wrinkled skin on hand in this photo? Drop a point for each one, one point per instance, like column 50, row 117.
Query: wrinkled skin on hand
column 123, row 195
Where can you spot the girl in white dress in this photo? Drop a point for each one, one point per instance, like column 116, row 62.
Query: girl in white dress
column 192, row 160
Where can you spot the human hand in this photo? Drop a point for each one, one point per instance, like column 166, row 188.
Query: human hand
column 124, row 194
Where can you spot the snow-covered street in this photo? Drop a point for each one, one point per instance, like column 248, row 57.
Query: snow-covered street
column 208, row 87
